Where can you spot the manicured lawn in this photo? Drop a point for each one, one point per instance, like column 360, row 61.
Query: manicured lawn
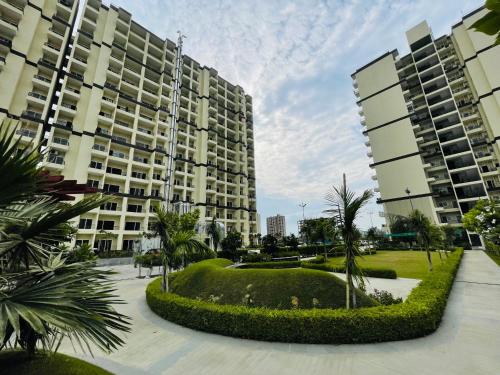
column 272, row 288
column 17, row 363
column 410, row 264
column 495, row 257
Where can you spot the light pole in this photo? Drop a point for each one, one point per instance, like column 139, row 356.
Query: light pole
column 408, row 192
column 303, row 204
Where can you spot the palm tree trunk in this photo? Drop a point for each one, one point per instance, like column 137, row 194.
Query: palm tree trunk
column 353, row 291
column 164, row 277
column 429, row 258
column 347, row 288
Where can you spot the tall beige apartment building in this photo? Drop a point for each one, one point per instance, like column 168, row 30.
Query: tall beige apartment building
column 432, row 122
column 100, row 95
column 276, row 226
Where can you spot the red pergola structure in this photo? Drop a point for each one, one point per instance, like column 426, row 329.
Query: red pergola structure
column 61, row 189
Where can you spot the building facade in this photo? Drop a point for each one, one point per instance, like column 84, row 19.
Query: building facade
column 100, row 96
column 432, row 122
column 276, row 226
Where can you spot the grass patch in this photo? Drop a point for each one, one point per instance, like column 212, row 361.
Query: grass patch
column 410, row 264
column 14, row 362
column 269, row 288
column 494, row 256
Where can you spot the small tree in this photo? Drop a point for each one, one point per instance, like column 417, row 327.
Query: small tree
column 232, row 243
column 215, row 234
column 423, row 227
column 346, row 207
column 178, row 238
column 291, row 241
column 269, row 244
column 450, row 235
column 484, row 219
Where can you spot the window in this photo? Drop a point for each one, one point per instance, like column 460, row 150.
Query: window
column 155, row 192
column 95, row 164
column 136, row 191
column 140, row 175
column 85, row 224
column 79, row 243
column 93, row 183
column 230, row 204
column 128, row 245
column 112, row 170
column 230, row 216
column 176, row 197
column 111, row 188
column 105, row 224
column 132, row 225
column 102, row 245
column 109, row 206
column 134, row 208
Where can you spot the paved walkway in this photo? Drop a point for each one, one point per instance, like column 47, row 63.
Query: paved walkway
column 468, row 341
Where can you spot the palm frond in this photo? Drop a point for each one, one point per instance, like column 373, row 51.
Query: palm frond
column 76, row 300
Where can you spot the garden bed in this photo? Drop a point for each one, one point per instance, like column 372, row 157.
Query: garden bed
column 418, row 316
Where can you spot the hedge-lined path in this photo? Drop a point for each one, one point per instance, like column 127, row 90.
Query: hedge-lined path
column 466, row 343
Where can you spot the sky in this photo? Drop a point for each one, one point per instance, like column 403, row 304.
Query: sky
column 295, row 58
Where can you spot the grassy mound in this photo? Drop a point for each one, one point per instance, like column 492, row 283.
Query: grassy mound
column 17, row 362
column 270, row 288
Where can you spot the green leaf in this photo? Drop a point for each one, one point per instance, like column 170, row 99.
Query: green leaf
column 489, row 24
column 493, row 5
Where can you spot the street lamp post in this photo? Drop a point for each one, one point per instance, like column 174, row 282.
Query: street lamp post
column 408, row 192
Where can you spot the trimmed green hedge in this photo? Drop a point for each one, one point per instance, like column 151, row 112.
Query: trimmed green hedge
column 277, row 264
column 418, row 316
column 384, row 273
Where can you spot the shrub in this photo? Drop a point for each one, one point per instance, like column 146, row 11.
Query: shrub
column 272, row 288
column 276, row 264
column 286, row 254
column 384, row 297
column 418, row 316
column 252, row 258
column 384, row 273
column 148, row 260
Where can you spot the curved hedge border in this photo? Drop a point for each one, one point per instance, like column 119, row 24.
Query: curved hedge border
column 384, row 273
column 418, row 316
column 277, row 264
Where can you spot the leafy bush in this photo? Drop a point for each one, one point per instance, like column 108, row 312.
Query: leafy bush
column 148, row 260
column 286, row 254
column 418, row 316
column 272, row 288
column 253, row 258
column 384, row 297
column 82, row 253
column 384, row 273
column 276, row 264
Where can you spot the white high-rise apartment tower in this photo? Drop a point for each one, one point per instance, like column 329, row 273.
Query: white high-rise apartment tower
column 432, row 122
column 276, row 226
column 100, row 94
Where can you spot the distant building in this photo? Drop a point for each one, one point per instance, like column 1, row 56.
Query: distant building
column 276, row 226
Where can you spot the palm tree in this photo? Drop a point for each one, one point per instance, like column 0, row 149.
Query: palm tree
column 42, row 298
column 346, row 207
column 422, row 226
column 214, row 233
column 176, row 241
